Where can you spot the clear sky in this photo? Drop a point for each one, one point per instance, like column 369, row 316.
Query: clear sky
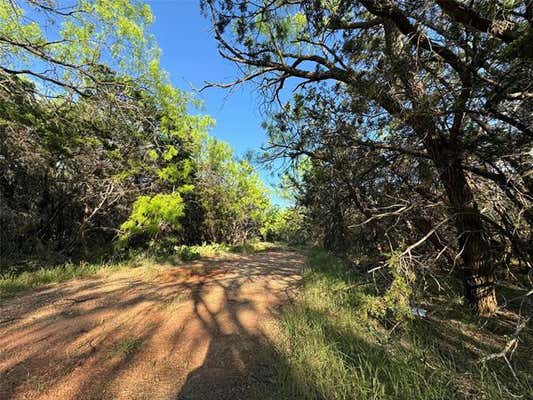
column 190, row 56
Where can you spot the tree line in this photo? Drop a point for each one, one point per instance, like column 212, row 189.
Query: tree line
column 99, row 152
column 408, row 132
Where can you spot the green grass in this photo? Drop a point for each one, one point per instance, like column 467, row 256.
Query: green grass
column 126, row 347
column 195, row 252
column 14, row 283
column 207, row 250
column 255, row 247
column 332, row 348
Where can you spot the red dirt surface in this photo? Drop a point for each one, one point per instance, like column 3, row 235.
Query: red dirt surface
column 201, row 330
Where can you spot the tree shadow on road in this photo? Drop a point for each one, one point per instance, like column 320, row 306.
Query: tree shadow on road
column 62, row 341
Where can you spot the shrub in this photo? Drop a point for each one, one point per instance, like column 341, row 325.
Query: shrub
column 187, row 253
column 153, row 215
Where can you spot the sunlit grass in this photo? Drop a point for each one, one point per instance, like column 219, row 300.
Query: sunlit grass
column 209, row 250
column 331, row 349
column 13, row 283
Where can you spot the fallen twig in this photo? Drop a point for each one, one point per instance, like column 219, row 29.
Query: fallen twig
column 509, row 348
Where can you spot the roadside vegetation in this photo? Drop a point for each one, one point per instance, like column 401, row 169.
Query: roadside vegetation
column 12, row 284
column 409, row 127
column 344, row 338
column 100, row 155
column 15, row 282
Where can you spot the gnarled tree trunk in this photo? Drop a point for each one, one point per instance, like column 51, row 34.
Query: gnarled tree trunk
column 477, row 263
column 445, row 151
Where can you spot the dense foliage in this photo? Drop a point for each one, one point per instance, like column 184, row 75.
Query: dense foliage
column 101, row 147
column 230, row 192
column 416, row 120
column 285, row 225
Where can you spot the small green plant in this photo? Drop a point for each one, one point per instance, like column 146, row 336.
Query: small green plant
column 37, row 383
column 187, row 253
column 126, row 347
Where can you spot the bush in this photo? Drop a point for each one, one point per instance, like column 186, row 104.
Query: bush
column 187, row 253
column 153, row 215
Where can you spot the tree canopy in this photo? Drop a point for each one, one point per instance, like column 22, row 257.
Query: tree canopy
column 402, row 107
column 97, row 145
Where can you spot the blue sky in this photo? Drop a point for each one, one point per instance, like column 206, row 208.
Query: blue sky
column 190, row 56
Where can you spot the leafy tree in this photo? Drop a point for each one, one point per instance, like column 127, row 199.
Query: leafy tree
column 284, row 224
column 99, row 128
column 62, row 46
column 231, row 194
column 96, row 143
column 153, row 215
column 74, row 173
column 443, row 85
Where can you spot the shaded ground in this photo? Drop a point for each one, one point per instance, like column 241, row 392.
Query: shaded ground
column 196, row 331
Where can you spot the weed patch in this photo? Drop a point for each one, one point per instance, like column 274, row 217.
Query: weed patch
column 11, row 284
column 126, row 347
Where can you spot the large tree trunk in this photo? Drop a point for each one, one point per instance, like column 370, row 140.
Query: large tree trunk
column 478, row 271
column 445, row 151
column 477, row 263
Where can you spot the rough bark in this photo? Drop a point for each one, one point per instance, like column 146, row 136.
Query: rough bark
column 445, row 152
column 477, row 263
column 462, row 13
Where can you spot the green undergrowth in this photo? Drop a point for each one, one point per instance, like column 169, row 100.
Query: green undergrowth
column 14, row 281
column 208, row 250
column 11, row 284
column 342, row 339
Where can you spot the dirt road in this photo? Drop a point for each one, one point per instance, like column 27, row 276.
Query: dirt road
column 195, row 331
